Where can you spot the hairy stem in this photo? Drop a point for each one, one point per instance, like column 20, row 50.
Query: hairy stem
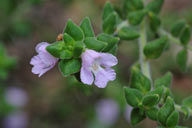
column 145, row 66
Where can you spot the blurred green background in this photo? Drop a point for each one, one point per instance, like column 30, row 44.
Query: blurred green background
column 53, row 101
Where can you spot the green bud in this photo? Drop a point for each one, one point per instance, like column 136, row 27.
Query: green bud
column 110, row 23
column 66, row 54
column 166, row 111
column 177, row 27
column 152, row 113
column 155, row 6
column 136, row 17
column 87, row 28
column 187, row 102
column 56, row 48
column 128, row 33
column 110, row 40
column 74, row 31
column 154, row 49
column 173, row 119
column 95, row 44
column 78, row 49
column 166, row 80
column 69, row 41
column 150, row 100
column 139, row 81
column 137, row 116
column 155, row 22
column 69, row 67
column 133, row 97
column 185, row 35
column 181, row 60
column 108, row 9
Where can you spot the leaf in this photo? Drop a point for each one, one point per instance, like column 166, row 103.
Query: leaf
column 139, row 81
column 187, row 102
column 133, row 5
column 66, row 54
column 56, row 48
column 158, row 91
column 177, row 28
column 165, row 111
column 137, row 116
column 110, row 40
column 186, row 112
column 133, row 97
column 181, row 60
column 155, row 6
column 87, row 28
column 128, row 33
column 110, row 23
column 173, row 119
column 74, row 31
column 185, row 35
column 108, row 9
column 152, row 113
column 166, row 80
column 68, row 67
column 136, row 17
column 155, row 22
column 95, row 44
column 154, row 49
column 150, row 100
column 69, row 41
column 78, row 49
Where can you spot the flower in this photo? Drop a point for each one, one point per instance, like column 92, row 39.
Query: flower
column 107, row 111
column 98, row 64
column 44, row 61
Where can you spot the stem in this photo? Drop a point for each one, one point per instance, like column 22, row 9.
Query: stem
column 145, row 66
column 173, row 39
column 178, row 108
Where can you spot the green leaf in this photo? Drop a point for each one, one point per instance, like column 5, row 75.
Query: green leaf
column 155, row 22
column 69, row 41
column 87, row 28
column 114, row 50
column 154, row 49
column 136, row 17
column 74, row 31
column 133, row 97
column 68, row 67
column 187, row 102
column 66, row 54
column 181, row 60
column 165, row 111
column 128, row 33
column 56, row 48
column 158, row 91
column 95, row 44
column 185, row 35
column 78, row 49
column 152, row 113
column 178, row 27
column 108, row 9
column 139, row 81
column 166, row 80
column 133, row 5
column 155, row 6
column 150, row 100
column 186, row 112
column 110, row 23
column 173, row 119
column 137, row 116
column 110, row 40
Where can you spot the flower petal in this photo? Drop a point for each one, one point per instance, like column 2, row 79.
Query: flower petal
column 108, row 60
column 103, row 76
column 41, row 47
column 86, row 76
column 47, row 58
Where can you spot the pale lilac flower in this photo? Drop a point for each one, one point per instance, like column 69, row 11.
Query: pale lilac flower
column 16, row 97
column 98, row 64
column 128, row 110
column 16, row 120
column 107, row 111
column 44, row 61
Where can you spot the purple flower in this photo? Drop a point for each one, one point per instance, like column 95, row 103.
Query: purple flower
column 100, row 65
column 16, row 97
column 107, row 111
column 44, row 61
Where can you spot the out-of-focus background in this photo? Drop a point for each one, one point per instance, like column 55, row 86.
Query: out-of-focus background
column 53, row 101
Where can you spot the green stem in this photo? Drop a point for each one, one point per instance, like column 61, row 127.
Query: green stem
column 173, row 39
column 145, row 66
